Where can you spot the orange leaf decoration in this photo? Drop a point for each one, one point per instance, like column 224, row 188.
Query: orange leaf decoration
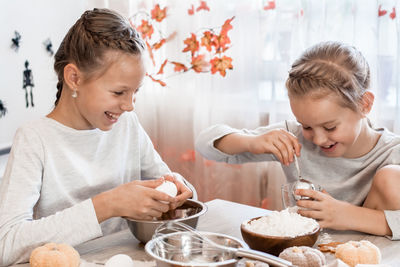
column 270, row 5
column 199, row 64
column 207, row 40
column 159, row 44
column 191, row 11
column 150, row 52
column 203, row 6
column 221, row 64
column 156, row 80
column 392, row 14
column 179, row 66
column 220, row 42
column 227, row 26
column 158, row 14
column 161, row 71
column 192, row 44
column 145, row 29
column 381, row 12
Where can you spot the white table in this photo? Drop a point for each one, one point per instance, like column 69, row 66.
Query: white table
column 222, row 217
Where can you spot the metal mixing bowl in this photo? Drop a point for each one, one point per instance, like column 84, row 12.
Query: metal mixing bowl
column 184, row 249
column 188, row 213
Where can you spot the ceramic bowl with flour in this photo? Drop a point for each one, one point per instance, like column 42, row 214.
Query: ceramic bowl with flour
column 279, row 230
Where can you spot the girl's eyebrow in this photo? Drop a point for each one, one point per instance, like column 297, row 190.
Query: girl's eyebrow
column 321, row 124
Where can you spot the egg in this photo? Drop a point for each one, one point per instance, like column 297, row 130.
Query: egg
column 119, row 260
column 168, row 188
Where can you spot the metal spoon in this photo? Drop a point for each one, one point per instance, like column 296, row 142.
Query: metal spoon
column 300, row 183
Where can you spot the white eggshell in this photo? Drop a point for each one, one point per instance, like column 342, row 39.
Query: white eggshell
column 168, row 188
column 119, row 260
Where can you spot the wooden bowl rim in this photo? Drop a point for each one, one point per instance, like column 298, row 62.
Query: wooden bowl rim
column 246, row 230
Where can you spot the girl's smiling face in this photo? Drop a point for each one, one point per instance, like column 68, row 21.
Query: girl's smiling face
column 338, row 131
column 103, row 99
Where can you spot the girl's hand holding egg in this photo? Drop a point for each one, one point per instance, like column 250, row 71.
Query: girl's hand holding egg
column 168, row 188
column 183, row 192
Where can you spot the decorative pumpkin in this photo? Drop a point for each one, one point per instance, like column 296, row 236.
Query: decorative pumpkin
column 358, row 252
column 303, row 256
column 54, row 255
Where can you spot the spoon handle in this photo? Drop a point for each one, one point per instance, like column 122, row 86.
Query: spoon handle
column 296, row 161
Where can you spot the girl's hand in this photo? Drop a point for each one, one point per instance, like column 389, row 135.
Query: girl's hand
column 183, row 191
column 329, row 212
column 136, row 200
column 279, row 142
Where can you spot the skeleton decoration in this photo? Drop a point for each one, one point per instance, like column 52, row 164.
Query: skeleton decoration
column 28, row 84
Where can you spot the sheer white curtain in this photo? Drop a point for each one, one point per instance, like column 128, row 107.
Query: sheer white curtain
column 265, row 41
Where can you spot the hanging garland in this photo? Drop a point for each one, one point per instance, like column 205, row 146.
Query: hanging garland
column 210, row 59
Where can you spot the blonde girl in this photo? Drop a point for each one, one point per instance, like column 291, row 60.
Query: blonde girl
column 356, row 164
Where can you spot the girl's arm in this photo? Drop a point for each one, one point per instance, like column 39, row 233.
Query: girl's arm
column 223, row 143
column 20, row 189
column 340, row 215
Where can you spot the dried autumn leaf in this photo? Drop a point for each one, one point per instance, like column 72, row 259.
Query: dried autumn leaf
column 192, row 44
column 207, row 40
column 220, row 42
column 179, row 66
column 199, row 64
column 150, row 52
column 392, row 14
column 145, row 29
column 226, row 26
column 158, row 14
column 221, row 64
column 156, row 80
column 159, row 44
column 191, row 11
column 161, row 70
column 381, row 12
column 203, row 6
column 270, row 5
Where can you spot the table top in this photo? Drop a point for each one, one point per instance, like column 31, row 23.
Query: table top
column 222, row 217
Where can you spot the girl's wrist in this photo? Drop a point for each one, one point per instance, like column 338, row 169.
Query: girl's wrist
column 102, row 205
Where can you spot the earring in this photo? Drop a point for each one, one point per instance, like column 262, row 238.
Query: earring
column 74, row 93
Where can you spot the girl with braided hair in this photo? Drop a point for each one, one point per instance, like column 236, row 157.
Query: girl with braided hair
column 73, row 174
column 337, row 148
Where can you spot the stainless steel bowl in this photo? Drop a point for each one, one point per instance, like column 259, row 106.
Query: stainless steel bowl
column 190, row 252
column 188, row 213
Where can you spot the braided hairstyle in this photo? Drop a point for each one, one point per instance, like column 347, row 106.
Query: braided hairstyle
column 94, row 33
column 330, row 67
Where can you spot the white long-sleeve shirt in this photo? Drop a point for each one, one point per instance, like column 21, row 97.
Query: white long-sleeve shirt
column 345, row 179
column 52, row 173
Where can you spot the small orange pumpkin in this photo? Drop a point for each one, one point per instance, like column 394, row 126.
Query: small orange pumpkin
column 54, row 255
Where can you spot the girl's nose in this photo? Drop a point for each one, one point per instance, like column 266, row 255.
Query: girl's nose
column 319, row 139
column 128, row 104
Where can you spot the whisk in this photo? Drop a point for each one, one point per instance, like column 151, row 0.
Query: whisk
column 196, row 246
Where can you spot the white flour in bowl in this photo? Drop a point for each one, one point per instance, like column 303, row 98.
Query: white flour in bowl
column 282, row 223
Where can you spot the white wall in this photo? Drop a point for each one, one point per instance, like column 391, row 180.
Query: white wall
column 35, row 21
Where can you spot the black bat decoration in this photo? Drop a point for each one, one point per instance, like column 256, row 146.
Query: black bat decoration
column 15, row 42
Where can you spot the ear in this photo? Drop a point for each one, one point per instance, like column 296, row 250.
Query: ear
column 367, row 102
column 72, row 76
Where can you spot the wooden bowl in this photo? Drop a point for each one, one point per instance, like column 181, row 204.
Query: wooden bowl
column 276, row 244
